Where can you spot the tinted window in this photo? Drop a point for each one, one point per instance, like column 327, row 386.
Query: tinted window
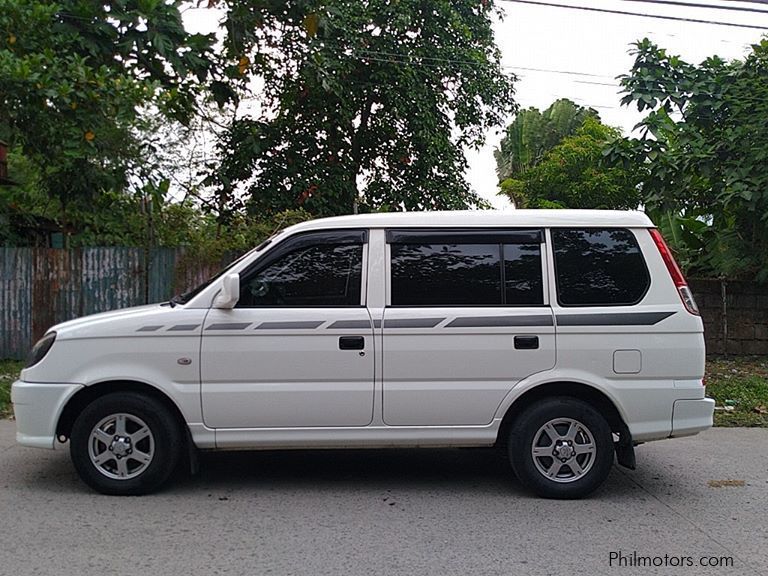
column 598, row 267
column 522, row 275
column 446, row 274
column 321, row 275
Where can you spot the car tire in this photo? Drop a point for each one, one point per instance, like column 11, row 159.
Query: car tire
column 125, row 443
column 561, row 448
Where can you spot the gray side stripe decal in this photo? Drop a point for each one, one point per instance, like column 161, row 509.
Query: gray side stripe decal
column 603, row 319
column 229, row 326
column 348, row 324
column 611, row 319
column 489, row 321
column 412, row 322
column 299, row 325
column 183, row 327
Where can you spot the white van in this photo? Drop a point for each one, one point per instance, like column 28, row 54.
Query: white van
column 563, row 336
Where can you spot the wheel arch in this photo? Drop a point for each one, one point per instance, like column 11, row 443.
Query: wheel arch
column 77, row 403
column 595, row 397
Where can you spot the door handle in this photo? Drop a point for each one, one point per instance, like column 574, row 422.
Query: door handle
column 351, row 343
column 526, row 342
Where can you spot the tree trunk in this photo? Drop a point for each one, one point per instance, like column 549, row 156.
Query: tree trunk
column 357, row 149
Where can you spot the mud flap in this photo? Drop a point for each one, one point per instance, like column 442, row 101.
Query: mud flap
column 192, row 456
column 625, row 451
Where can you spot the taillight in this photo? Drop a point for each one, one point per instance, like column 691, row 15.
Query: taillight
column 674, row 271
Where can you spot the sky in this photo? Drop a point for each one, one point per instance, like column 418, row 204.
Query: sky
column 558, row 52
column 550, row 38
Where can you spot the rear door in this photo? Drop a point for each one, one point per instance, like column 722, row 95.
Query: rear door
column 297, row 349
column 467, row 317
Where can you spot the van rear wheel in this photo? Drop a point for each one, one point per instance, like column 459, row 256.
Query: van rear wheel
column 561, row 448
column 125, row 444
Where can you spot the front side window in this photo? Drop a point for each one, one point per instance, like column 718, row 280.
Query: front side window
column 315, row 275
column 599, row 267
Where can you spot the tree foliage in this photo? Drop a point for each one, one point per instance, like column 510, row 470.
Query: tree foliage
column 553, row 159
column 75, row 77
column 573, row 175
column 532, row 133
column 703, row 152
column 368, row 102
column 319, row 106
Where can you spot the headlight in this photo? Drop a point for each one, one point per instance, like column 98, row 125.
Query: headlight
column 40, row 349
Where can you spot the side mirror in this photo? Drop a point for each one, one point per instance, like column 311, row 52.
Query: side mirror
column 230, row 292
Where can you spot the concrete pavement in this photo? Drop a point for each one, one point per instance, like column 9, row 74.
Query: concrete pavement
column 400, row 512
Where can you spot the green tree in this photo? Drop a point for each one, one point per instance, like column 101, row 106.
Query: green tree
column 368, row 103
column 74, row 79
column 573, row 175
column 703, row 151
column 532, row 133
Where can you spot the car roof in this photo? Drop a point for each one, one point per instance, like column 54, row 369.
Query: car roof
column 482, row 219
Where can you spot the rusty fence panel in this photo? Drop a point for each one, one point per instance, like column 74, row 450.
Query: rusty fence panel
column 15, row 301
column 40, row 287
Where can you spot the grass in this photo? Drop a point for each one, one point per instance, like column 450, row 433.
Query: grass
column 9, row 371
column 740, row 383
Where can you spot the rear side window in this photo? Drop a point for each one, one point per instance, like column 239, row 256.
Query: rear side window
column 466, row 268
column 522, row 275
column 446, row 274
column 599, row 267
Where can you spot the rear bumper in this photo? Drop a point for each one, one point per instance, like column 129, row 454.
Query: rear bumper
column 691, row 416
column 37, row 408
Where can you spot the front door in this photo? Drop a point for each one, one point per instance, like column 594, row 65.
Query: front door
column 297, row 349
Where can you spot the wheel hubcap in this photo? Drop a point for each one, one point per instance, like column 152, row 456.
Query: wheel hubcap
column 121, row 446
column 563, row 450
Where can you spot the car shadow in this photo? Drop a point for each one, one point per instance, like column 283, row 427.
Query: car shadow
column 478, row 467
column 484, row 470
column 453, row 470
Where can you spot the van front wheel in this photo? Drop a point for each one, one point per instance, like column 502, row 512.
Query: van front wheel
column 561, row 448
column 125, row 444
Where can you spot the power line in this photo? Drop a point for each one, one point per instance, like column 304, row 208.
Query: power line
column 697, row 5
column 382, row 56
column 403, row 59
column 383, row 53
column 552, row 71
column 625, row 13
column 614, row 85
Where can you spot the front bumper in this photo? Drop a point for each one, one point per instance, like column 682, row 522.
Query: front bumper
column 37, row 408
column 691, row 416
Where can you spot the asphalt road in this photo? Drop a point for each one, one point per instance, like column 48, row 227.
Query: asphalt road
column 401, row 512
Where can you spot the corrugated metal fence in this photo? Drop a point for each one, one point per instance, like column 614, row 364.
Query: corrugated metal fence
column 40, row 287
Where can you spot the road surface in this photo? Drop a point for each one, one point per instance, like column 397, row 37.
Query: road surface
column 391, row 513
